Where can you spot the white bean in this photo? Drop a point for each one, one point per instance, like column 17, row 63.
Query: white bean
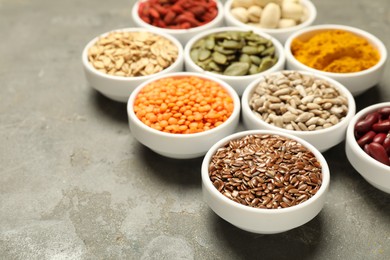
column 270, row 16
column 243, row 3
column 292, row 10
column 240, row 13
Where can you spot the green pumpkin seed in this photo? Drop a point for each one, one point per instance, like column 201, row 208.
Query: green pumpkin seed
column 214, row 67
column 237, row 69
column 255, row 59
column 210, row 43
column 249, row 50
column 253, row 69
column 222, row 50
column 219, row 58
column 230, row 44
column 268, row 52
column 245, row 58
column 261, row 48
column 266, row 63
column 194, row 54
column 204, row 54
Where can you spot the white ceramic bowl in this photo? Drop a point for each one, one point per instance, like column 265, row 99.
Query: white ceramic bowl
column 260, row 220
column 239, row 83
column 182, row 146
column 322, row 139
column 356, row 82
column 183, row 35
column 119, row 88
column 280, row 34
column 373, row 171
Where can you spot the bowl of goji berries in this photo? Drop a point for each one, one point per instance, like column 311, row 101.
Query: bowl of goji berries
column 181, row 115
column 116, row 62
column 180, row 18
column 367, row 144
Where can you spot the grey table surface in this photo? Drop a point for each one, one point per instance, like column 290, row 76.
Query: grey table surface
column 75, row 184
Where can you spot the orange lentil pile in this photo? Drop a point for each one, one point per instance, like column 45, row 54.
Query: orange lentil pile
column 183, row 105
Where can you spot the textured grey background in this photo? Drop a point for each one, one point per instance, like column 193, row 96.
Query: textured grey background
column 74, row 184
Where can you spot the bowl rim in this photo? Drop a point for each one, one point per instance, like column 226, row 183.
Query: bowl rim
column 232, row 93
column 340, row 87
column 208, row 184
column 312, row 11
column 278, row 48
column 218, row 18
column 87, row 65
column 351, row 136
column 375, row 42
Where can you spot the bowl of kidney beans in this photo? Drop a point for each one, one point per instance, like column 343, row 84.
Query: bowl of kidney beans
column 368, row 144
column 182, row 19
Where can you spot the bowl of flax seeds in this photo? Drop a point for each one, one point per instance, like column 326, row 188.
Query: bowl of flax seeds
column 265, row 181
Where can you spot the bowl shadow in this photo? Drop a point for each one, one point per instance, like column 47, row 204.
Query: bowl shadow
column 300, row 243
column 116, row 111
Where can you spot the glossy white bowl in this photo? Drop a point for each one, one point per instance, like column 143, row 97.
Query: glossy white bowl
column 181, row 146
column 280, row 34
column 356, row 82
column 119, row 88
column 183, row 35
column 239, row 83
column 322, row 139
column 374, row 172
column 257, row 220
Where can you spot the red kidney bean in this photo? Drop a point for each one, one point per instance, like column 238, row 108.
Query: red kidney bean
column 386, row 144
column 366, row 124
column 384, row 111
column 379, row 138
column 378, row 152
column 382, row 126
column 372, row 133
column 178, row 14
column 367, row 138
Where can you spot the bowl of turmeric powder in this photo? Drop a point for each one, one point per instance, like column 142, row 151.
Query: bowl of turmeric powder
column 181, row 115
column 352, row 56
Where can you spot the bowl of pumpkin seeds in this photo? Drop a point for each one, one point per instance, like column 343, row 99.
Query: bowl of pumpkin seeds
column 236, row 55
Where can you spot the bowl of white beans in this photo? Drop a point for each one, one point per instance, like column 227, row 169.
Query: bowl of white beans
column 278, row 18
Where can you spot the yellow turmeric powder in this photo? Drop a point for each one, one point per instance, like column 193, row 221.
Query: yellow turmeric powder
column 336, row 51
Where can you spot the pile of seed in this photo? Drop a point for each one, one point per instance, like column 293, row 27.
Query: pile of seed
column 234, row 53
column 265, row 171
column 294, row 101
column 131, row 54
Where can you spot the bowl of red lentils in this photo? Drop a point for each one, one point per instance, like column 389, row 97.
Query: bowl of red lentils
column 278, row 18
column 315, row 108
column 116, row 62
column 180, row 18
column 235, row 55
column 352, row 56
column 265, row 181
column 367, row 145
column 181, row 115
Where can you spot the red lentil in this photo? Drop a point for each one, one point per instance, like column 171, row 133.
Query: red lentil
column 177, row 14
column 183, row 105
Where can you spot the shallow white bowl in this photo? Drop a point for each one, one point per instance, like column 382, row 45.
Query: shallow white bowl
column 239, row 83
column 322, row 139
column 181, row 146
column 183, row 35
column 119, row 88
column 356, row 82
column 280, row 34
column 374, row 172
column 264, row 221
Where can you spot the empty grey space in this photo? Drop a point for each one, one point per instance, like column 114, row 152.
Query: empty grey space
column 75, row 184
